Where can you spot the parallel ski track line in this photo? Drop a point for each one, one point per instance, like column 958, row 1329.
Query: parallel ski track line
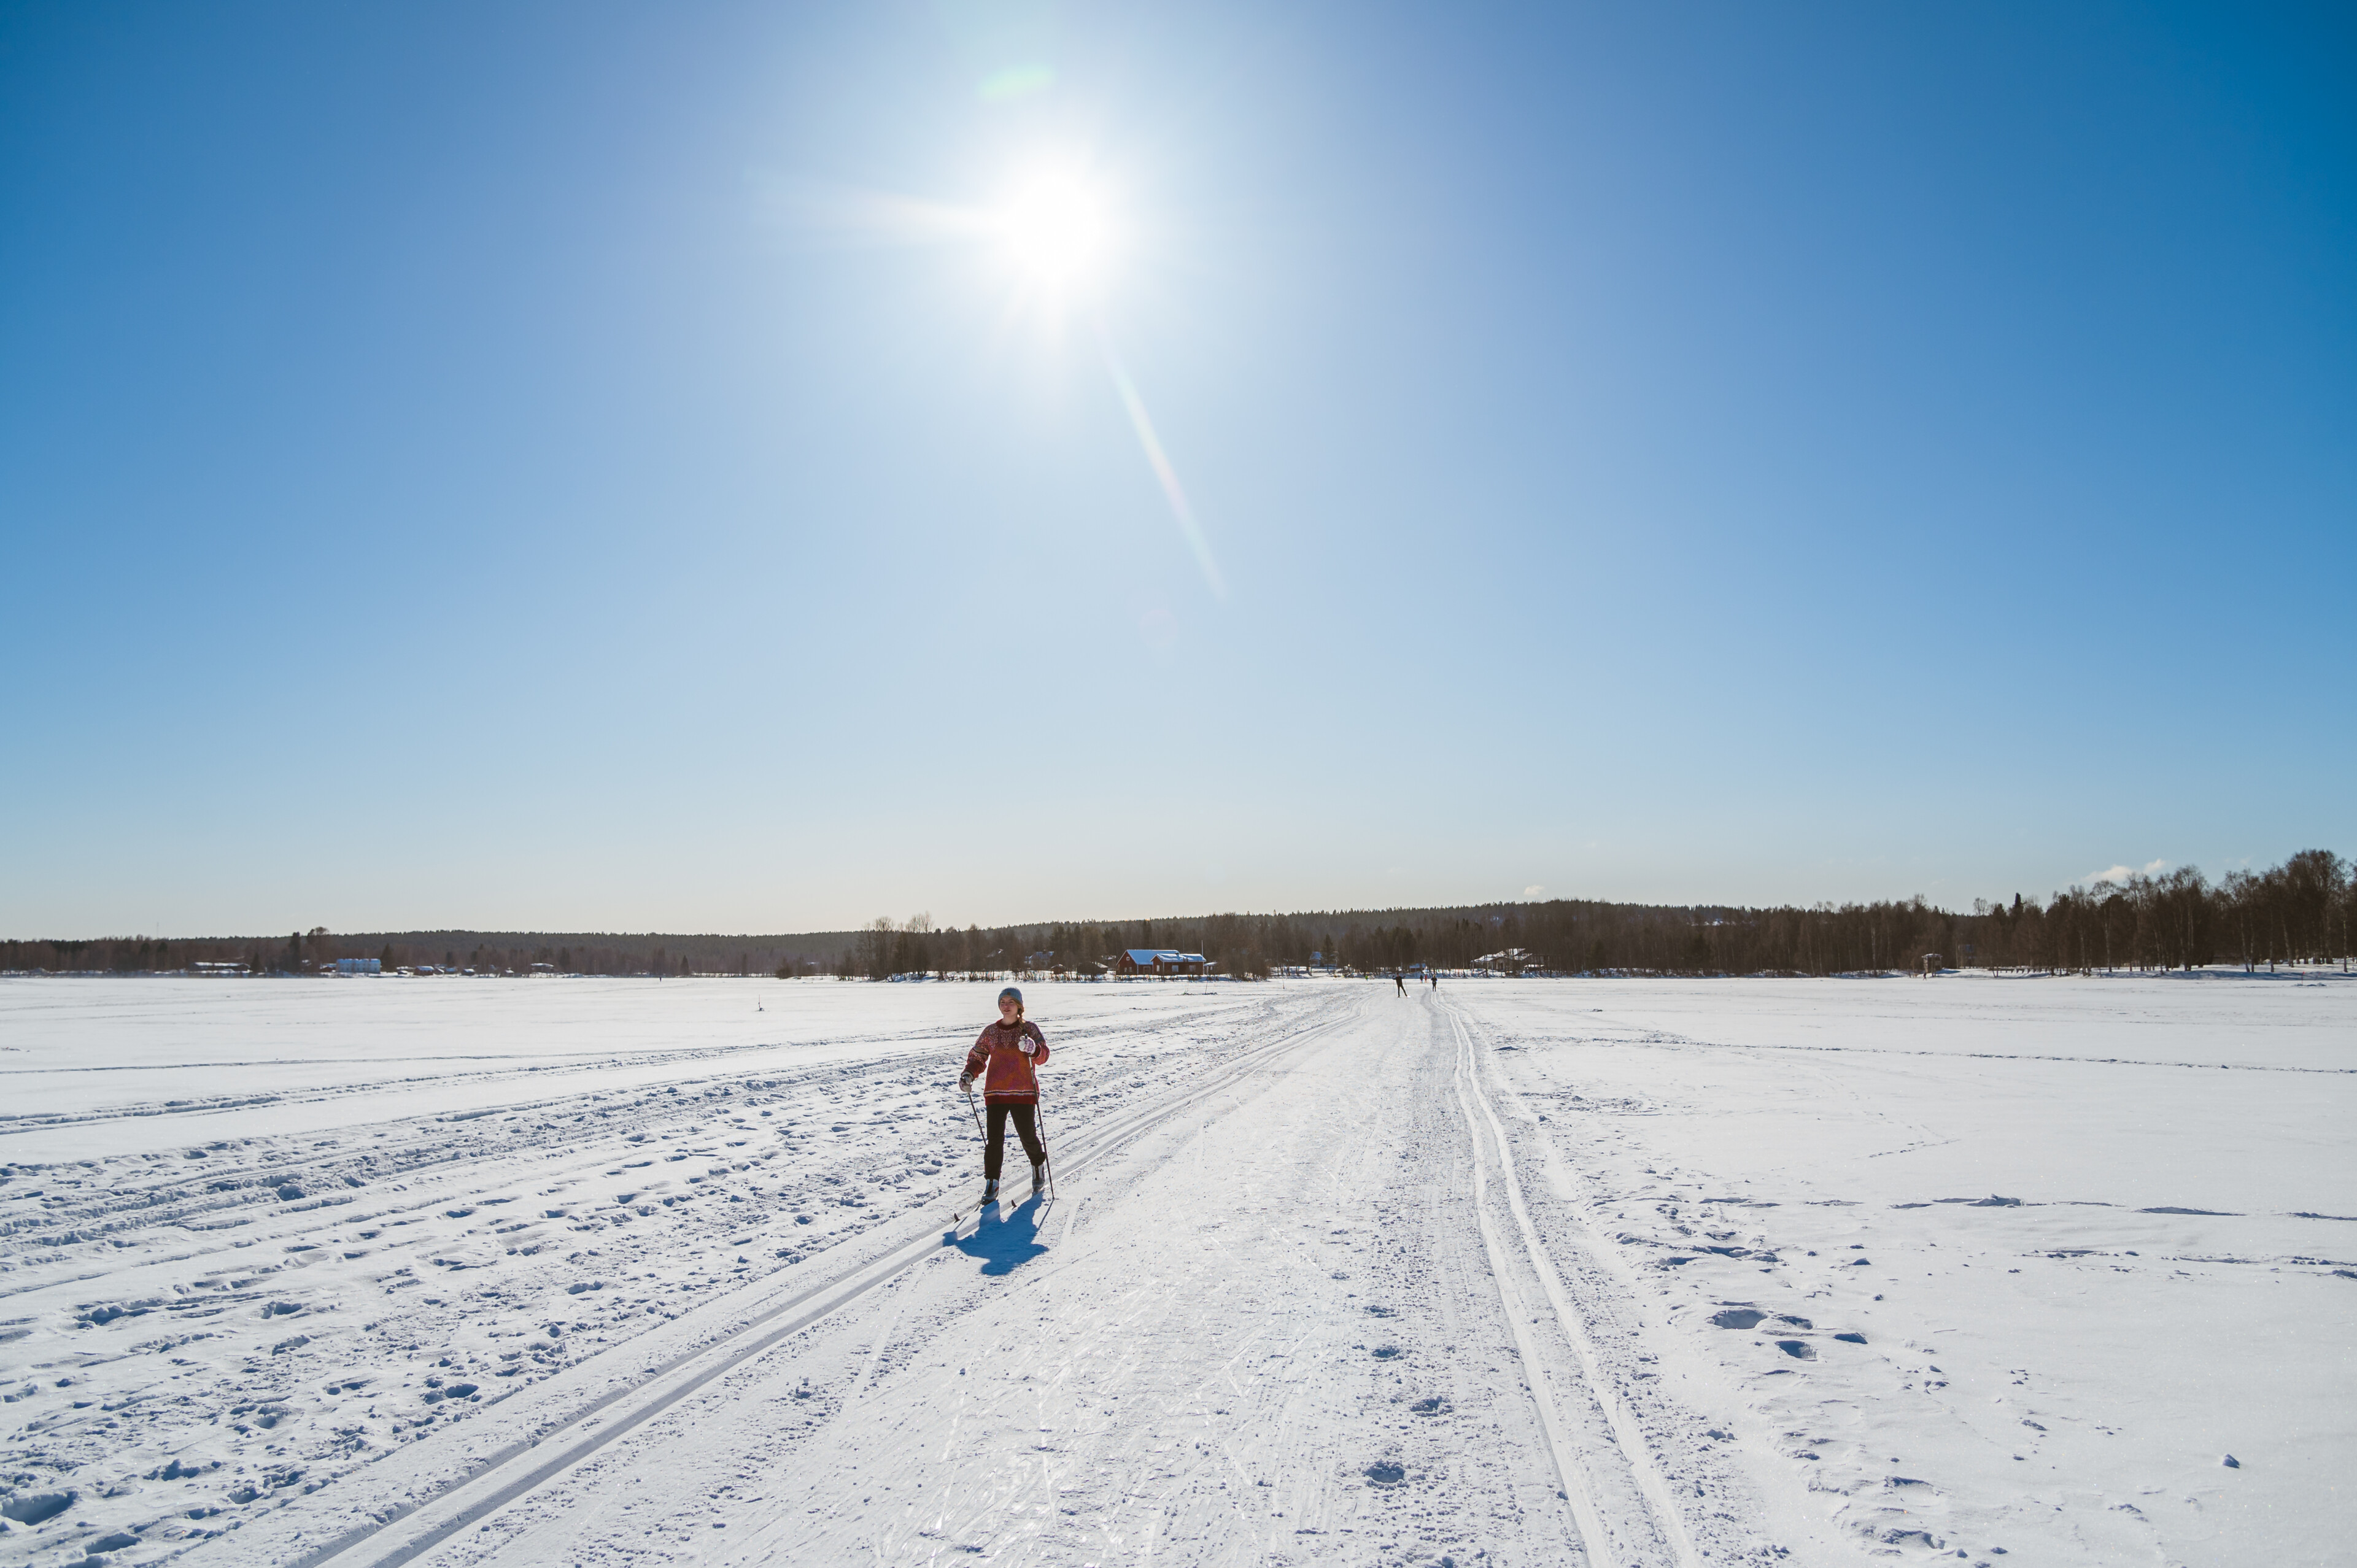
column 230, row 1184
column 117, row 1210
column 665, row 1385
column 1594, row 1538
column 507, row 1068
column 1627, row 1435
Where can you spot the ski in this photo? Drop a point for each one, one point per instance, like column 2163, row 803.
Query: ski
column 958, row 1218
column 1043, row 1193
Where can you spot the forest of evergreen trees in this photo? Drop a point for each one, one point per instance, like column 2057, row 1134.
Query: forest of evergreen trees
column 485, row 953
column 2299, row 912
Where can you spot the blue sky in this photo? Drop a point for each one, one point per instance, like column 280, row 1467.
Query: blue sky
column 491, row 465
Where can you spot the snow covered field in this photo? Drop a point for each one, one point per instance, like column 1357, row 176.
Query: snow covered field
column 1634, row 1273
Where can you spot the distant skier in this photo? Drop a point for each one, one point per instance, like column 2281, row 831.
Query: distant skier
column 1401, row 981
column 1010, row 1052
column 1436, row 980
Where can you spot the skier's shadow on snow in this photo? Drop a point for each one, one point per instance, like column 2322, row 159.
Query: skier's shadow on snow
column 1002, row 1240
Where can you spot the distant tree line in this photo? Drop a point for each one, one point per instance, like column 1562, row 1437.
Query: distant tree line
column 486, row 952
column 2299, row 912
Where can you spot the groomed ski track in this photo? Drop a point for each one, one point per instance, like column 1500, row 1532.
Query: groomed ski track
column 1298, row 1311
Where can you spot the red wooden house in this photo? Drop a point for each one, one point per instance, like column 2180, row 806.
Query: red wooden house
column 1164, row 961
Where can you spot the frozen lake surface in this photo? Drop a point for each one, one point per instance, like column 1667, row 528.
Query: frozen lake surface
column 453, row 1271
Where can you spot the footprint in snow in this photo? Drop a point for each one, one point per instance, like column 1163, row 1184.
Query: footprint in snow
column 1746, row 1318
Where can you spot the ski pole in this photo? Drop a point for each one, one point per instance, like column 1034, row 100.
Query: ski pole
column 1040, row 1121
column 959, row 1217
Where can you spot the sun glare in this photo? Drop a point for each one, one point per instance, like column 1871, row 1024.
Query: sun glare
column 1055, row 229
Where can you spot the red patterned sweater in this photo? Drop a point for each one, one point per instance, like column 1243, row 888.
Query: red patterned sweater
column 1012, row 1079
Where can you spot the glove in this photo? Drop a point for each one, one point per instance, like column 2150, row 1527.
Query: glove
column 965, row 1081
column 1026, row 1047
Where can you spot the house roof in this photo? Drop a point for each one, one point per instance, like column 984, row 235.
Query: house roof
column 1144, row 958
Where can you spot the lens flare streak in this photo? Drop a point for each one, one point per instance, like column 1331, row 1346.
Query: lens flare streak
column 1160, row 462
column 1055, row 232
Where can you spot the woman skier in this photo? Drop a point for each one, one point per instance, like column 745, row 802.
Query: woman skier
column 1011, row 1051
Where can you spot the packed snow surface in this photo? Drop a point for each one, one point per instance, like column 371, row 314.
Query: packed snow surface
column 444, row 1271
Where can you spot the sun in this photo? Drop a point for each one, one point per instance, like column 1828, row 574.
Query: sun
column 1056, row 229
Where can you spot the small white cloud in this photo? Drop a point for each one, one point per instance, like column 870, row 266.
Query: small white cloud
column 2122, row 872
column 1532, row 891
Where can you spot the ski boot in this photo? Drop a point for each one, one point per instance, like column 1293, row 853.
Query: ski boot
column 989, row 1192
column 1040, row 1180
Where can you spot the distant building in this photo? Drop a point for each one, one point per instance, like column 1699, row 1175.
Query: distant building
column 360, row 966
column 207, row 967
column 1163, row 961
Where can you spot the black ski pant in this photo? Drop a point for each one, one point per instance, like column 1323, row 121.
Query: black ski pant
column 1027, row 1127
